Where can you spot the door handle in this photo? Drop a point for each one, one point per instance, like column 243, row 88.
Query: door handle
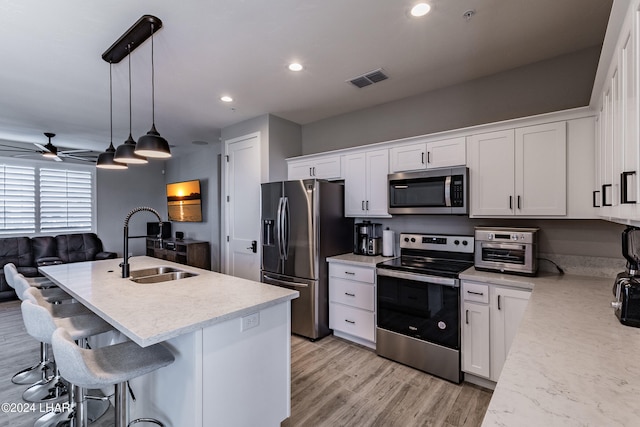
column 499, row 308
column 624, row 188
column 604, row 195
column 510, row 202
column 595, row 199
column 519, row 203
column 254, row 246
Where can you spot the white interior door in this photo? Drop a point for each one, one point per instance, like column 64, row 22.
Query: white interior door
column 243, row 207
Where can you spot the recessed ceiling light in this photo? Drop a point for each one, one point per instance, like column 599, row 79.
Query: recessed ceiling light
column 420, row 9
column 226, row 98
column 294, row 66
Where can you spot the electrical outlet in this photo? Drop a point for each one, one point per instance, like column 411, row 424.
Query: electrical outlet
column 250, row 321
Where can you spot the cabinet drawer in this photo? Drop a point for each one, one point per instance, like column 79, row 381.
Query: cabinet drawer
column 352, row 272
column 352, row 321
column 355, row 294
column 475, row 292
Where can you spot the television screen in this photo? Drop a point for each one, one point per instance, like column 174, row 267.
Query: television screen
column 184, row 202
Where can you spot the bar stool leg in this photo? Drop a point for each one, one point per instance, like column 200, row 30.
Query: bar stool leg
column 37, row 372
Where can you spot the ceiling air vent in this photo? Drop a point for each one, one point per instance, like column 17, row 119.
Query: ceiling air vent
column 369, row 78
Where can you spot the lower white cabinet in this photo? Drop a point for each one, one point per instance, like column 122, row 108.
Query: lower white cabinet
column 352, row 302
column 491, row 316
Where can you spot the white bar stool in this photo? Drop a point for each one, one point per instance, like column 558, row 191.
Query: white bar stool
column 41, row 370
column 111, row 365
column 40, row 324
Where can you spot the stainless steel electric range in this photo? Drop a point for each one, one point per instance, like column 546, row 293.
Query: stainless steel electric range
column 418, row 298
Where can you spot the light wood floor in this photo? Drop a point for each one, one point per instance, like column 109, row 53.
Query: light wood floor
column 333, row 383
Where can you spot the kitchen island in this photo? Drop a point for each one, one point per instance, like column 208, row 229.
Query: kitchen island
column 230, row 336
column 571, row 363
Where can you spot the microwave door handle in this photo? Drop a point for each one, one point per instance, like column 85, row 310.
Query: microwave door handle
column 447, row 191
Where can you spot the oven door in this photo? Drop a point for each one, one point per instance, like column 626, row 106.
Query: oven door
column 422, row 307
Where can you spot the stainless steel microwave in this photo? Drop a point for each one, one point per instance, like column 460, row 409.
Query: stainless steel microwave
column 438, row 191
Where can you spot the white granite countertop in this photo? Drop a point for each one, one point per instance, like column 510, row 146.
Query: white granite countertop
column 572, row 363
column 152, row 313
column 363, row 260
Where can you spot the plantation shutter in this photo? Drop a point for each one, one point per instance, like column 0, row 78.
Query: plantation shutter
column 65, row 200
column 17, row 199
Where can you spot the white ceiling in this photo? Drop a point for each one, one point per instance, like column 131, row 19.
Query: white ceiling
column 52, row 77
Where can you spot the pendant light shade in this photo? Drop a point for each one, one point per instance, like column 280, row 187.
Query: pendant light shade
column 152, row 144
column 125, row 153
column 105, row 160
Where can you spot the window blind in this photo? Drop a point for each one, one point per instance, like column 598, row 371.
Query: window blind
column 17, row 199
column 65, row 200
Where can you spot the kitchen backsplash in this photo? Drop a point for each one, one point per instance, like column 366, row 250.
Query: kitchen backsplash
column 583, row 265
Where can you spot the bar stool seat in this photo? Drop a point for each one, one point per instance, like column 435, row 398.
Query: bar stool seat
column 111, row 365
column 40, row 372
column 41, row 324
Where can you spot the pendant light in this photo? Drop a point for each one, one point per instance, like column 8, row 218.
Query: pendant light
column 105, row 160
column 152, row 144
column 125, row 153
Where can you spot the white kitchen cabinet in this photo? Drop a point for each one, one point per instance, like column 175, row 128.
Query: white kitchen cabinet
column 475, row 329
column 490, row 318
column 519, row 171
column 352, row 302
column 365, row 183
column 328, row 167
column 507, row 308
column 429, row 155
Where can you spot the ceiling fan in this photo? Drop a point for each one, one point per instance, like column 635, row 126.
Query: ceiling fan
column 51, row 151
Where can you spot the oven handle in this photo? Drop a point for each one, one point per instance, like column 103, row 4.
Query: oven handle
column 509, row 246
column 444, row 281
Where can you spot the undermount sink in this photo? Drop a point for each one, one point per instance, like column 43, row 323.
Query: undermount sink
column 159, row 274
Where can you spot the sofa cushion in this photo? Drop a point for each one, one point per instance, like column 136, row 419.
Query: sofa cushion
column 78, row 247
column 45, row 250
column 17, row 250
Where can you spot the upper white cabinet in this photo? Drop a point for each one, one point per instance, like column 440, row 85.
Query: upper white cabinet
column 365, row 183
column 519, row 171
column 327, row 167
column 428, row 155
column 617, row 188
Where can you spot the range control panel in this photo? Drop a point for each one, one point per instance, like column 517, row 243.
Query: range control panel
column 437, row 242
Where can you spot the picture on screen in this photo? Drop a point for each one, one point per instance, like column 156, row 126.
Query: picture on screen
column 184, row 201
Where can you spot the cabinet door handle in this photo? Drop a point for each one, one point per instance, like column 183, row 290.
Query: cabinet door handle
column 466, row 317
column 367, row 205
column 475, row 293
column 624, row 187
column 349, row 295
column 351, row 273
column 314, row 171
column 519, row 203
column 350, row 321
column 363, row 205
column 428, row 156
column 595, row 198
column 510, row 202
column 499, row 303
column 604, row 195
column 310, row 171
column 422, row 157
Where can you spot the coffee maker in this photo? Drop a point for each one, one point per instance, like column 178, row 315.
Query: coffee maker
column 368, row 238
column 627, row 285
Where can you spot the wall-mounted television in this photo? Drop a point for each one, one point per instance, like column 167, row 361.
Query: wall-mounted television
column 184, row 202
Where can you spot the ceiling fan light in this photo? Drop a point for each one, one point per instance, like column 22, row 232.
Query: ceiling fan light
column 52, row 149
column 125, row 153
column 152, row 145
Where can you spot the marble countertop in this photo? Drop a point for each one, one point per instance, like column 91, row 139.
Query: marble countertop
column 572, row 363
column 152, row 313
column 363, row 260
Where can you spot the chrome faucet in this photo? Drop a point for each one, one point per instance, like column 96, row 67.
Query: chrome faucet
column 125, row 261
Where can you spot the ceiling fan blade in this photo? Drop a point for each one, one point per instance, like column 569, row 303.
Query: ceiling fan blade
column 40, row 146
column 73, row 151
column 91, row 159
column 14, row 148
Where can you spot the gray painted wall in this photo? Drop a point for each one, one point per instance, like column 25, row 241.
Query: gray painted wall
column 557, row 84
column 202, row 163
column 118, row 192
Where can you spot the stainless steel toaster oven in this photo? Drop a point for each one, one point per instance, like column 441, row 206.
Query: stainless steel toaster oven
column 507, row 250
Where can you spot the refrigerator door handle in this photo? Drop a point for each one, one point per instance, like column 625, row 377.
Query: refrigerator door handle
column 285, row 234
column 285, row 283
column 280, row 225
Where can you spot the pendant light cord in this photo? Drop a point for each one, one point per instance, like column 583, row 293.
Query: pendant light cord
column 130, row 125
column 111, row 101
column 153, row 79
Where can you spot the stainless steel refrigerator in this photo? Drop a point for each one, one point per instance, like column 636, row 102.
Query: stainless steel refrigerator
column 303, row 223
